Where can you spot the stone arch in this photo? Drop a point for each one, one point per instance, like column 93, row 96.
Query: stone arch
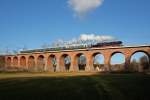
column 40, row 63
column 31, row 63
column 79, row 62
column 8, row 62
column 15, row 61
column 98, row 61
column 52, row 63
column 23, row 61
column 117, row 66
column 138, row 66
column 65, row 62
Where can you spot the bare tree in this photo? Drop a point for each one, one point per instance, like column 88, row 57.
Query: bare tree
column 7, row 51
column 45, row 45
column 24, row 48
column 15, row 51
column 144, row 62
column 134, row 65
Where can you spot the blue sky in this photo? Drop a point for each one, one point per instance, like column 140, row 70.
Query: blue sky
column 35, row 22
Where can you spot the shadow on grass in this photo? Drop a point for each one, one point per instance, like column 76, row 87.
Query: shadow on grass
column 93, row 87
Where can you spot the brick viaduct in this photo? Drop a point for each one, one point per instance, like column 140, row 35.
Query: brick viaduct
column 33, row 60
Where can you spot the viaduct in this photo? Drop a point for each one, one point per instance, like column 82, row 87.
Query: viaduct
column 35, row 60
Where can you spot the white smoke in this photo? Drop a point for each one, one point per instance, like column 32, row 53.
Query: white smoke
column 82, row 7
column 99, row 38
column 84, row 40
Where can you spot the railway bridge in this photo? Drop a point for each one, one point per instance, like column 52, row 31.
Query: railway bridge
column 44, row 60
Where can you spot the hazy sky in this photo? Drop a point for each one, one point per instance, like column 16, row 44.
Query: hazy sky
column 35, row 22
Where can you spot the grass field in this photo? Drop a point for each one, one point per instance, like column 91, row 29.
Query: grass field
column 74, row 86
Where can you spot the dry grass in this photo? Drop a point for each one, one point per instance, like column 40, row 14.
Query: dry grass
column 45, row 74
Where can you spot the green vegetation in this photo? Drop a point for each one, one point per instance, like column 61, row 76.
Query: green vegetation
column 74, row 86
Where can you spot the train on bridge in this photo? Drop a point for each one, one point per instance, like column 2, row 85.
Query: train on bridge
column 103, row 44
column 96, row 45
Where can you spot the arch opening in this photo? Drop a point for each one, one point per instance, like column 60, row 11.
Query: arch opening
column 23, row 61
column 81, row 61
column 15, row 61
column 9, row 62
column 139, row 61
column 98, row 62
column 65, row 62
column 52, row 63
column 117, row 62
column 31, row 63
column 40, row 63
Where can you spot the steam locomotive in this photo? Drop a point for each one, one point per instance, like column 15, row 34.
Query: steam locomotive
column 103, row 44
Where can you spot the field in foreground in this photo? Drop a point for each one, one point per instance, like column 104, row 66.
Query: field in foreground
column 74, row 86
